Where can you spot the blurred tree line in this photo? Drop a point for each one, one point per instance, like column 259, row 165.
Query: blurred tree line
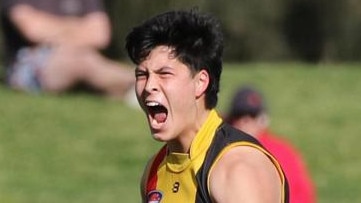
column 263, row 30
column 260, row 30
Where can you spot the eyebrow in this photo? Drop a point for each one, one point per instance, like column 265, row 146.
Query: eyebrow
column 162, row 68
column 165, row 68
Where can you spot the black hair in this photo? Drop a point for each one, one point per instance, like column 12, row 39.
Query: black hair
column 196, row 39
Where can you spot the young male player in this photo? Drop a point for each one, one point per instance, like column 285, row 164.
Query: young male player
column 179, row 62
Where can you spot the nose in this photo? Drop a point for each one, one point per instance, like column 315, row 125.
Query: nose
column 151, row 84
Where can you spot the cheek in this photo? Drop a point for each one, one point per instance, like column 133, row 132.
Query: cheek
column 183, row 94
column 139, row 86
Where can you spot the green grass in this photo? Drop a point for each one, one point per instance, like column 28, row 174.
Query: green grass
column 82, row 148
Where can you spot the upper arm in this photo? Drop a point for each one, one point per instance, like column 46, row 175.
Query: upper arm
column 38, row 26
column 245, row 174
column 26, row 19
column 97, row 26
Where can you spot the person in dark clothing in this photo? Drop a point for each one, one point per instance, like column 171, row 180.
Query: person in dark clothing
column 54, row 45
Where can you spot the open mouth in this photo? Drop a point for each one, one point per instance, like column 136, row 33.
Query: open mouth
column 157, row 112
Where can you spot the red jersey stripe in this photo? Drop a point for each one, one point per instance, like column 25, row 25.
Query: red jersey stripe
column 153, row 178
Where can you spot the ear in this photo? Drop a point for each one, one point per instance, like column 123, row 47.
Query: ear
column 202, row 82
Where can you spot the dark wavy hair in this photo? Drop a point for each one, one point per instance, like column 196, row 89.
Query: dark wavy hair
column 196, row 39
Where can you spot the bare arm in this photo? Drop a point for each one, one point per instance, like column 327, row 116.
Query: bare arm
column 44, row 28
column 244, row 174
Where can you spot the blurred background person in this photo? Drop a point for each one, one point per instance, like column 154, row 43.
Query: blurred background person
column 54, row 46
column 248, row 113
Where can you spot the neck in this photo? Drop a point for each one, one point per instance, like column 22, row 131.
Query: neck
column 183, row 142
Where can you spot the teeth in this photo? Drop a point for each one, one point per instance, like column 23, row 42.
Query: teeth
column 152, row 103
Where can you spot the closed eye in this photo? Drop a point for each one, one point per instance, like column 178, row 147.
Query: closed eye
column 165, row 72
column 140, row 74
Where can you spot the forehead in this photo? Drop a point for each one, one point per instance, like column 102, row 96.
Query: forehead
column 159, row 55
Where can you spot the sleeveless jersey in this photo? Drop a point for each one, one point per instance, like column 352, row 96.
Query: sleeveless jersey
column 178, row 177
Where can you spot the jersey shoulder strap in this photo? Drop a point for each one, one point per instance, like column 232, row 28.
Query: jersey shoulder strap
column 225, row 135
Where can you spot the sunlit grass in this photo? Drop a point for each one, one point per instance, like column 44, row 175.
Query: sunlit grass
column 82, row 148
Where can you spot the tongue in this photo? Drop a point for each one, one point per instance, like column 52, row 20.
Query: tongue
column 160, row 117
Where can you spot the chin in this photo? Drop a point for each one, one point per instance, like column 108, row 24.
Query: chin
column 158, row 139
column 161, row 137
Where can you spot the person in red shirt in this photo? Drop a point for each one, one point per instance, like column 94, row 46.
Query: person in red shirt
column 248, row 113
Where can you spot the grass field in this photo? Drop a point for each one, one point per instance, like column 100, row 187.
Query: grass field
column 85, row 149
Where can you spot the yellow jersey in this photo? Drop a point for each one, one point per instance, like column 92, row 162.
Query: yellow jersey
column 183, row 177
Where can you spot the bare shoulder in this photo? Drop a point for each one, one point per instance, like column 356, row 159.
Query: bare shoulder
column 245, row 174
